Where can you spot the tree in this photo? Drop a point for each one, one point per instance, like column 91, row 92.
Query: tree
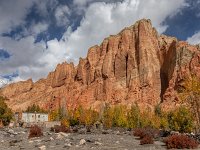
column 120, row 116
column 107, row 116
column 5, row 113
column 181, row 120
column 134, row 117
column 191, row 96
column 35, row 108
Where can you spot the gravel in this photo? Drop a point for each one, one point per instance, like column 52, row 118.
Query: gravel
column 17, row 139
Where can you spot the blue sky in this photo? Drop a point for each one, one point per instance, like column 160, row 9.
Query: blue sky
column 36, row 35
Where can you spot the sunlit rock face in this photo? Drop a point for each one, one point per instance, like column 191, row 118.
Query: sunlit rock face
column 135, row 66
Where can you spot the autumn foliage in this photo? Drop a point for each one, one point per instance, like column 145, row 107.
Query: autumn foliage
column 35, row 131
column 180, row 142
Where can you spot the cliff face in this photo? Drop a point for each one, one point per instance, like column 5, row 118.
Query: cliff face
column 136, row 65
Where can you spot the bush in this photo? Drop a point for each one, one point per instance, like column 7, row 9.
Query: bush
column 108, row 117
column 181, row 120
column 61, row 128
column 180, row 142
column 146, row 140
column 120, row 116
column 138, row 132
column 65, row 122
column 35, row 131
column 6, row 114
column 142, row 132
column 88, row 117
column 133, row 117
column 35, row 108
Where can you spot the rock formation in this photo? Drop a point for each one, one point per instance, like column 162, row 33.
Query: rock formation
column 135, row 66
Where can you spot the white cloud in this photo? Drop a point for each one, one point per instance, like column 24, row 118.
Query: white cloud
column 33, row 30
column 39, row 27
column 3, row 82
column 61, row 14
column 13, row 13
column 45, row 7
column 195, row 39
column 101, row 19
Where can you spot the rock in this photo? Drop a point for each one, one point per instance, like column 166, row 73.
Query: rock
column 136, row 65
column 30, row 141
column 64, row 134
column 82, row 142
column 59, row 137
column 10, row 131
column 11, row 124
column 13, row 142
column 51, row 138
column 97, row 143
column 67, row 145
column 43, row 147
column 82, row 131
column 38, row 140
column 174, row 133
column 105, row 132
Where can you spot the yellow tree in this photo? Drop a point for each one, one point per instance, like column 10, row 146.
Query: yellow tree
column 191, row 95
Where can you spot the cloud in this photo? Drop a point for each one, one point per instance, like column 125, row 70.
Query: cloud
column 111, row 18
column 13, row 13
column 45, row 7
column 195, row 39
column 61, row 14
column 100, row 19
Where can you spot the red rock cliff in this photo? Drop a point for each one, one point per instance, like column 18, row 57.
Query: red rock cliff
column 136, row 65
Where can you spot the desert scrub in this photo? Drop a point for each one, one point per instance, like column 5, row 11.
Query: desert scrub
column 60, row 128
column 35, row 131
column 180, row 142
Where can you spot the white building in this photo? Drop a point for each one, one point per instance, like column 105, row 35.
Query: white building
column 34, row 117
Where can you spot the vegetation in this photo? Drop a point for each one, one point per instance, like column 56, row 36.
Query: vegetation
column 6, row 114
column 35, row 131
column 146, row 140
column 61, row 128
column 120, row 116
column 181, row 120
column 191, row 96
column 35, row 108
column 180, row 142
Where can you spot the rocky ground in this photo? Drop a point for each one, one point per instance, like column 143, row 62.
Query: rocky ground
column 17, row 139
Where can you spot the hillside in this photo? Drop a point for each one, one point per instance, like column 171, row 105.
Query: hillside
column 136, row 65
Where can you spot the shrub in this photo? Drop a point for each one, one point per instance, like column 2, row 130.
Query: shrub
column 138, row 132
column 35, row 131
column 88, row 117
column 65, row 122
column 61, row 128
column 133, row 117
column 54, row 115
column 119, row 116
column 181, row 120
column 180, row 142
column 35, row 108
column 146, row 140
column 5, row 112
column 107, row 117
column 142, row 132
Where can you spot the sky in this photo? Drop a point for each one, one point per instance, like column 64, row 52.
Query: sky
column 36, row 35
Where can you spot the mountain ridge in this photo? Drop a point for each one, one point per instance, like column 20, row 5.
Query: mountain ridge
column 135, row 66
